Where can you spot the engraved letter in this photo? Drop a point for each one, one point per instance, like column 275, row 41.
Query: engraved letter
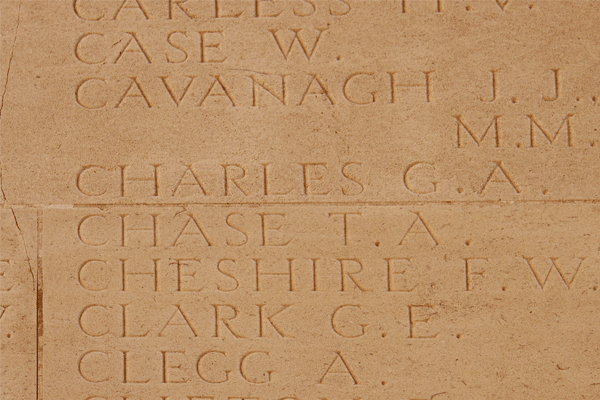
column 343, row 368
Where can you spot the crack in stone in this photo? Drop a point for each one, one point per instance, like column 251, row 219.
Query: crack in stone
column 10, row 58
column 24, row 245
column 2, row 184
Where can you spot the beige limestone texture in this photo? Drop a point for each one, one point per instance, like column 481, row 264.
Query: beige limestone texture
column 299, row 199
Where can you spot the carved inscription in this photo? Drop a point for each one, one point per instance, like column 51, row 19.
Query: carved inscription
column 300, row 200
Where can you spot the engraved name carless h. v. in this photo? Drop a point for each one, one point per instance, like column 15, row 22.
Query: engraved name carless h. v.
column 199, row 10
column 194, row 10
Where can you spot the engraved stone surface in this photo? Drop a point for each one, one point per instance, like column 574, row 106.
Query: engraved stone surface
column 299, row 199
